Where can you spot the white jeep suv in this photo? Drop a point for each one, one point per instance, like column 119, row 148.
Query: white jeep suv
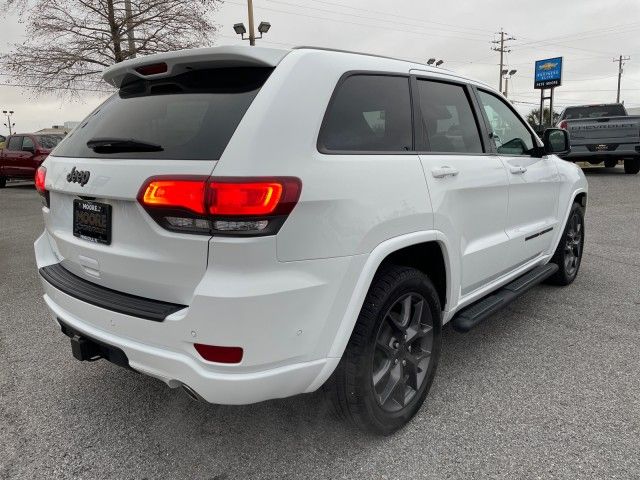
column 252, row 223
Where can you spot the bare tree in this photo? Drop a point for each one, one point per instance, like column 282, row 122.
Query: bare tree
column 69, row 42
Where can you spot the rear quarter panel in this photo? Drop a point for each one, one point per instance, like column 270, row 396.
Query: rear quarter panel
column 349, row 203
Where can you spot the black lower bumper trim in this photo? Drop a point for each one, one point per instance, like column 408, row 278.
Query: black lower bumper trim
column 106, row 298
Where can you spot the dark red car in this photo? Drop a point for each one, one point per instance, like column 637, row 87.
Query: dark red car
column 23, row 153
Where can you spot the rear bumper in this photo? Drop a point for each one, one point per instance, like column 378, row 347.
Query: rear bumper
column 582, row 153
column 285, row 331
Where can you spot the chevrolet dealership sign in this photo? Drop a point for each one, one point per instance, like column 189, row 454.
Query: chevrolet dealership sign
column 548, row 73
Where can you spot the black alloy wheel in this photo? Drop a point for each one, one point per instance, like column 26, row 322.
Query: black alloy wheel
column 403, row 352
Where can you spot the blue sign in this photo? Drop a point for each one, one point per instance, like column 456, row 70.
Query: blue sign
column 548, row 73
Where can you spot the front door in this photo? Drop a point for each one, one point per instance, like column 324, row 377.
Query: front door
column 468, row 185
column 534, row 182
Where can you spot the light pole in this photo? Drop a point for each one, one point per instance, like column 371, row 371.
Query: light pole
column 240, row 29
column 507, row 74
column 9, row 125
column 434, row 62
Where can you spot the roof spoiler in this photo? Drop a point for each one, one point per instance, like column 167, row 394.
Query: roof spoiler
column 173, row 63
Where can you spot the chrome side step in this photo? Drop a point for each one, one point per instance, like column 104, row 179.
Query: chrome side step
column 475, row 313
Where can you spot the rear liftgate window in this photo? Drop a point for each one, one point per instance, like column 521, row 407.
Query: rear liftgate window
column 191, row 116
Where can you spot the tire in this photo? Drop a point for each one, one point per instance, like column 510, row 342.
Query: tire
column 3, row 182
column 568, row 255
column 379, row 353
column 610, row 163
column 632, row 166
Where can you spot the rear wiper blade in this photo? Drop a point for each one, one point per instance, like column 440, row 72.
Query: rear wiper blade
column 116, row 145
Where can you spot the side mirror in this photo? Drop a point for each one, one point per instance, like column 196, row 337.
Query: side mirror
column 556, row 141
column 28, row 149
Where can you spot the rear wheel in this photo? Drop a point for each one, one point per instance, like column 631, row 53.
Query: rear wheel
column 632, row 165
column 390, row 361
column 568, row 255
column 3, row 182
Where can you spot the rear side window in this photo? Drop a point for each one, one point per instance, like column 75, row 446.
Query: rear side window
column 49, row 141
column 15, row 144
column 369, row 113
column 447, row 118
column 27, row 143
column 191, row 116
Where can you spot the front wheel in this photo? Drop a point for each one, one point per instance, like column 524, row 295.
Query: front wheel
column 568, row 255
column 390, row 361
column 632, row 165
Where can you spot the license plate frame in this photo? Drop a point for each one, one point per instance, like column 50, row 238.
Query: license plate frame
column 92, row 221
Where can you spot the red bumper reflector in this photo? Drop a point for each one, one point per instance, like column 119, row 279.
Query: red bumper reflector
column 213, row 353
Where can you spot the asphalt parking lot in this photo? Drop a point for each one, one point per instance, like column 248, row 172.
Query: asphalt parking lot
column 549, row 388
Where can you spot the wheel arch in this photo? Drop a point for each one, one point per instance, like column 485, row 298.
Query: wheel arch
column 397, row 249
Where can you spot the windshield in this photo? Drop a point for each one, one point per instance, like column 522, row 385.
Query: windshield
column 191, row 116
column 49, row 141
column 595, row 111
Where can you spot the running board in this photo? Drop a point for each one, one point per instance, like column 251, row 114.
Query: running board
column 475, row 313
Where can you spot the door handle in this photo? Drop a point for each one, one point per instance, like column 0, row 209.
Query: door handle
column 518, row 170
column 444, row 171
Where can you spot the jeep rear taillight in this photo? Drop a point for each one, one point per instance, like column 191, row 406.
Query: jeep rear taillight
column 40, row 179
column 563, row 124
column 221, row 205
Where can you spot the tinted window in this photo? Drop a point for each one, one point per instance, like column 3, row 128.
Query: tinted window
column 595, row 111
column 192, row 116
column 369, row 113
column 49, row 141
column 27, row 143
column 510, row 134
column 447, row 118
column 15, row 143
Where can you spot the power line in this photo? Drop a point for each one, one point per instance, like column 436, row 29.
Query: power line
column 348, row 22
column 394, row 22
column 388, row 14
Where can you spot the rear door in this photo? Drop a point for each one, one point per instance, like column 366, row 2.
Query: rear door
column 534, row 182
column 13, row 156
column 467, row 183
column 172, row 126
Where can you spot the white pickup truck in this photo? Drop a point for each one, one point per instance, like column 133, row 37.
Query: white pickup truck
column 603, row 133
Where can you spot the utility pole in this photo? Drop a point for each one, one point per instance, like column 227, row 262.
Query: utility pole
column 502, row 49
column 130, row 37
column 620, row 62
column 9, row 125
column 252, row 28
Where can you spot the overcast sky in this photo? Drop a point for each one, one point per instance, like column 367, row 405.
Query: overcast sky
column 587, row 33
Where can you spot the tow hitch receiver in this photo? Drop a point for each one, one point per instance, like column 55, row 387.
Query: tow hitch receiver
column 90, row 349
column 84, row 349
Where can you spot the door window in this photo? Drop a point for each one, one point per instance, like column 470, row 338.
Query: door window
column 15, row 144
column 447, row 118
column 509, row 133
column 369, row 113
column 27, row 143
